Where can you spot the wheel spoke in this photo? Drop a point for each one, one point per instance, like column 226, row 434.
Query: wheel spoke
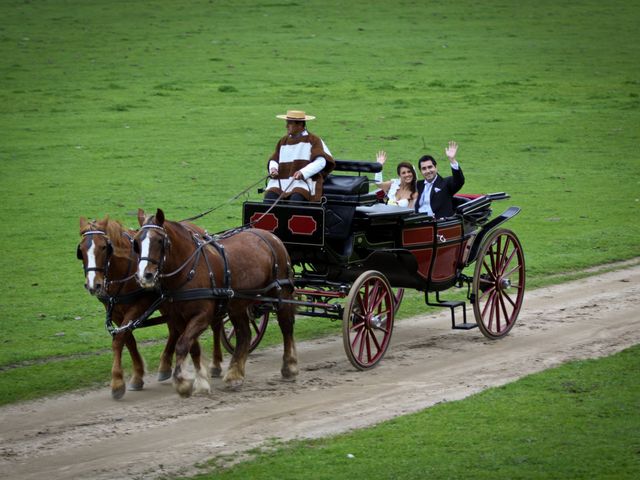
column 358, row 334
column 254, row 324
column 361, row 303
column 489, row 306
column 507, row 262
column 496, row 308
column 507, row 317
column 374, row 298
column 488, row 291
column 508, row 297
column 363, row 339
column 490, row 269
column 368, row 338
column 503, row 254
column 517, row 267
column 492, row 257
column 375, row 341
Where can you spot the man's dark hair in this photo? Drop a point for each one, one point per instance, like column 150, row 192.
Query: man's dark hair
column 425, row 158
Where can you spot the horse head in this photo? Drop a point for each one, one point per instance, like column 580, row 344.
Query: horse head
column 151, row 243
column 95, row 250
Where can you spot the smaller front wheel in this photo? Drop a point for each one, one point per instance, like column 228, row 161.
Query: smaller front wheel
column 367, row 321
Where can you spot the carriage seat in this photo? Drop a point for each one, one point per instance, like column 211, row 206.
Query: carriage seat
column 381, row 210
column 345, row 185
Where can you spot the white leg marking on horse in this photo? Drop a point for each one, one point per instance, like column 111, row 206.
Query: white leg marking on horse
column 91, row 263
column 144, row 252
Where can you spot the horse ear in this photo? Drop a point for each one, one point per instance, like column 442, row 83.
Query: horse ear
column 83, row 222
column 160, row 217
column 141, row 216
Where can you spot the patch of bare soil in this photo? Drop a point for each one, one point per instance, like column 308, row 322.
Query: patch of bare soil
column 154, row 432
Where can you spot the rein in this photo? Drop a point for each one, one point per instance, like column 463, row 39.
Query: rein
column 200, row 215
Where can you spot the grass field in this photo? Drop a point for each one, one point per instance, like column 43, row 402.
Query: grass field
column 108, row 106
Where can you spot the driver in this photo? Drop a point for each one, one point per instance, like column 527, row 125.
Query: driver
column 300, row 162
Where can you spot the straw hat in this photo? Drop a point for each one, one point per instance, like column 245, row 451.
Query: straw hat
column 296, row 116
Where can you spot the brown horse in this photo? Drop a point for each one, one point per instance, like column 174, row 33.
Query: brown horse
column 109, row 261
column 206, row 279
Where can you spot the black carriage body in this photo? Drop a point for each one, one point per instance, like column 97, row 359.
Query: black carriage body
column 351, row 247
column 350, row 232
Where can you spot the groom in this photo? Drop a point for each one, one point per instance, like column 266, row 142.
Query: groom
column 435, row 193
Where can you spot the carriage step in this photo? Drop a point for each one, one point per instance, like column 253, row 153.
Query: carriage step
column 464, row 326
column 452, row 305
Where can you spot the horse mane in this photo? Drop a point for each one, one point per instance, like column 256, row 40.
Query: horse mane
column 114, row 230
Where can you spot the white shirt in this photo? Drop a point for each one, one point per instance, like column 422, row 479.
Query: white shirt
column 425, row 198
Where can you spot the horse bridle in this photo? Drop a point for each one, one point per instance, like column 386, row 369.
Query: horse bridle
column 104, row 269
column 163, row 253
column 166, row 243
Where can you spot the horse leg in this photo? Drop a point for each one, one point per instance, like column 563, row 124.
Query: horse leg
column 286, row 320
column 240, row 320
column 216, row 361
column 117, row 376
column 186, row 342
column 164, row 369
column 137, row 379
column 201, row 372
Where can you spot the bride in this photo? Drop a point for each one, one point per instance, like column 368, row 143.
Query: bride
column 400, row 191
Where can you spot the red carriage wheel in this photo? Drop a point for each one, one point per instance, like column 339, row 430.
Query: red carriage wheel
column 498, row 283
column 367, row 321
column 258, row 326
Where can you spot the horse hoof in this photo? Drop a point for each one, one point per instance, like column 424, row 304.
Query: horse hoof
column 216, row 372
column 185, row 388
column 117, row 393
column 162, row 376
column 135, row 386
column 234, row 384
column 289, row 372
column 201, row 386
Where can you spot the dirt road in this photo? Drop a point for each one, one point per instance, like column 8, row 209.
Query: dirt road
column 154, row 432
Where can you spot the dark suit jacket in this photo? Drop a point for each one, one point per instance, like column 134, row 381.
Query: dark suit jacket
column 442, row 192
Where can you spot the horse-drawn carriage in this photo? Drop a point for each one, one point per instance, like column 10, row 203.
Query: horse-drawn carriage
column 355, row 248
column 346, row 258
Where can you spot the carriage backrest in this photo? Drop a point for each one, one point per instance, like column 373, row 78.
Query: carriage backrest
column 350, row 184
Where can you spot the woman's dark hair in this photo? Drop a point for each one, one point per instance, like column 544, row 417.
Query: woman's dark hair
column 413, row 171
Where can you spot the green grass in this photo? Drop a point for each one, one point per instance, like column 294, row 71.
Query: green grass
column 106, row 107
column 562, row 423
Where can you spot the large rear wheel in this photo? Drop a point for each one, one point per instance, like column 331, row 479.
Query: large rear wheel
column 498, row 283
column 367, row 321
